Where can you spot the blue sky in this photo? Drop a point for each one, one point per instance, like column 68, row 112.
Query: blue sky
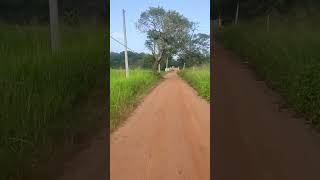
column 194, row 10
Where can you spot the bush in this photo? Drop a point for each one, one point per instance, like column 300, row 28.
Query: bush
column 199, row 78
column 287, row 58
column 125, row 92
column 38, row 87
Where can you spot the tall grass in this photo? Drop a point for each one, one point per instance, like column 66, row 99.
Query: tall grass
column 124, row 92
column 37, row 87
column 287, row 57
column 199, row 78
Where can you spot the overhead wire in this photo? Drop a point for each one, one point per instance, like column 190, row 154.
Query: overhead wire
column 120, row 43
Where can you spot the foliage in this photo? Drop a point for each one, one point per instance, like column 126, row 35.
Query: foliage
column 195, row 51
column 125, row 92
column 25, row 11
column 166, row 31
column 135, row 60
column 286, row 57
column 199, row 78
column 252, row 8
column 71, row 17
column 38, row 87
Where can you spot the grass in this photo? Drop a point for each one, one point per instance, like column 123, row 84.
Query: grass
column 125, row 93
column 287, row 58
column 37, row 88
column 198, row 78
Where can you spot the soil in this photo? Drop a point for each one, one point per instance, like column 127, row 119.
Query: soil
column 255, row 139
column 166, row 137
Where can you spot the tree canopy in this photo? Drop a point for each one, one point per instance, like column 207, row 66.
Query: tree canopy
column 252, row 8
column 136, row 60
column 26, row 11
column 171, row 34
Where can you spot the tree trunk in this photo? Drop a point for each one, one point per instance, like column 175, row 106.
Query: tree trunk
column 156, row 65
column 167, row 63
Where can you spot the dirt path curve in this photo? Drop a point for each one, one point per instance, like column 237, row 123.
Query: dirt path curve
column 254, row 139
column 167, row 136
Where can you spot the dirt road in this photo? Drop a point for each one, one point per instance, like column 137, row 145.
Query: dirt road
column 166, row 137
column 91, row 161
column 254, row 138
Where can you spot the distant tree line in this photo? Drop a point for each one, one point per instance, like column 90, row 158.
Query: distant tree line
column 136, row 60
column 253, row 8
column 146, row 61
column 37, row 11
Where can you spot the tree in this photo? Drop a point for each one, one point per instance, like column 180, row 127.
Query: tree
column 26, row 11
column 137, row 60
column 253, row 8
column 196, row 50
column 167, row 32
column 201, row 43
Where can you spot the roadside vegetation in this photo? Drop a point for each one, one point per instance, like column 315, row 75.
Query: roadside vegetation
column 38, row 89
column 199, row 79
column 171, row 41
column 125, row 93
column 286, row 56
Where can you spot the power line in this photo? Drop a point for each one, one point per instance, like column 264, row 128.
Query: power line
column 120, row 43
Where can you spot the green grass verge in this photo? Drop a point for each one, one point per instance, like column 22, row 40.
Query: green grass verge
column 125, row 93
column 37, row 88
column 287, row 58
column 199, row 79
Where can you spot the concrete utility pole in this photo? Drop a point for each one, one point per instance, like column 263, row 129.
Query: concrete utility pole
column 54, row 25
column 125, row 43
column 237, row 13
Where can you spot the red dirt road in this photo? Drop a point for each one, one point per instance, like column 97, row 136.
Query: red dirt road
column 90, row 163
column 166, row 138
column 253, row 138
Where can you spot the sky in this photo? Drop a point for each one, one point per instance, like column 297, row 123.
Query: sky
column 195, row 10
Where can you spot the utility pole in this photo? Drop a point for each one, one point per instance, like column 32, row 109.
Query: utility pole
column 125, row 43
column 54, row 25
column 237, row 13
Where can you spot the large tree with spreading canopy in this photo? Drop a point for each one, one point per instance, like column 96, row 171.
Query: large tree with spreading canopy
column 167, row 32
